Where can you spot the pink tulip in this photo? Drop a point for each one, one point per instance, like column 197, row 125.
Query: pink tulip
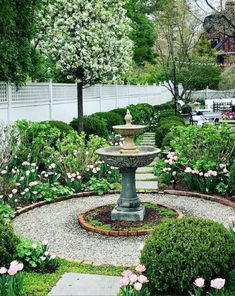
column 142, row 279
column 20, row 266
column 12, row 270
column 231, row 219
column 140, row 268
column 124, row 281
column 206, row 175
column 214, row 173
column 218, row 283
column 127, row 273
column 199, row 282
column 222, row 166
column 3, row 270
column 138, row 286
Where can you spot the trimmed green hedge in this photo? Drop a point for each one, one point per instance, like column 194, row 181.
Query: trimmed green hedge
column 111, row 118
column 179, row 251
column 8, row 244
column 93, row 125
column 163, row 129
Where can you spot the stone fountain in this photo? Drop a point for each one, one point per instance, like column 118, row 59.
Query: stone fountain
column 128, row 158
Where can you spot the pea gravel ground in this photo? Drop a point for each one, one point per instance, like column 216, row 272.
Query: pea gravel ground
column 57, row 223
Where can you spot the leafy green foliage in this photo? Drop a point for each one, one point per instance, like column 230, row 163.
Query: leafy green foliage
column 141, row 113
column 8, row 243
column 6, row 212
column 231, row 182
column 99, row 186
column 36, row 257
column 63, row 127
column 17, row 29
column 180, row 251
column 142, row 34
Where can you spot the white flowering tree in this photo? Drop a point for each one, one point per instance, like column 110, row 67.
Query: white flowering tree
column 88, row 39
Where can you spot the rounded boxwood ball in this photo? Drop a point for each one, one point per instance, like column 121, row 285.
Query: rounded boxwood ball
column 8, row 244
column 179, row 251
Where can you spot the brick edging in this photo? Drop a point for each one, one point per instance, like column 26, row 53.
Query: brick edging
column 89, row 227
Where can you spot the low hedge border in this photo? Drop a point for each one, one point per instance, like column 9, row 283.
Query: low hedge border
column 89, row 227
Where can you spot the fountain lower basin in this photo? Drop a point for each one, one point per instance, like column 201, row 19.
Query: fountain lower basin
column 129, row 207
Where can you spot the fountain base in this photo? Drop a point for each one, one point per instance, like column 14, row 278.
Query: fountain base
column 119, row 214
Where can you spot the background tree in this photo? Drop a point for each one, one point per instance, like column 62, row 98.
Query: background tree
column 18, row 56
column 88, row 40
column 143, row 33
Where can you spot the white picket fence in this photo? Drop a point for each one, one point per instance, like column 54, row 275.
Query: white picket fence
column 57, row 101
column 210, row 94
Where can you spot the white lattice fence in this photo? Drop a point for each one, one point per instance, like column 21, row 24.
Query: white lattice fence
column 57, row 101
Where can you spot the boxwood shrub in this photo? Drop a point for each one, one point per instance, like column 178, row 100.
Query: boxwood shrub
column 120, row 111
column 8, row 244
column 163, row 120
column 60, row 125
column 111, row 119
column 165, row 106
column 92, row 125
column 163, row 129
column 168, row 113
column 180, row 251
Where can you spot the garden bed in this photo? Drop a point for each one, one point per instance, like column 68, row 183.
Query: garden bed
column 99, row 220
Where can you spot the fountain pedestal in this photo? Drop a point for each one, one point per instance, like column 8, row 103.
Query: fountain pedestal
column 128, row 206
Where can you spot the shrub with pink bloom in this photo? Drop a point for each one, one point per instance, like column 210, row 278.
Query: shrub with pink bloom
column 134, row 283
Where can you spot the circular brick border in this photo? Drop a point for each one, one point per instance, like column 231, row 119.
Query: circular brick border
column 89, row 227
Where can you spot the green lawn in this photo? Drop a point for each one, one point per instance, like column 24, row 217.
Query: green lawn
column 36, row 284
column 40, row 284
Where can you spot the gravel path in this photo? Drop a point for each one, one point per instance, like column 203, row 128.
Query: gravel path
column 57, row 223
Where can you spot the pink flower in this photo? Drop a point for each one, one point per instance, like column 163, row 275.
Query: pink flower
column 218, row 283
column 44, row 242
column 214, row 173
column 206, row 175
column 231, row 219
column 225, row 171
column 12, row 270
column 188, row 170
column 140, row 268
column 201, row 174
column 142, row 279
column 222, row 165
column 199, row 282
column 127, row 273
column 3, row 270
column 137, row 286
column 14, row 191
column 20, row 266
column 124, row 281
column 210, row 172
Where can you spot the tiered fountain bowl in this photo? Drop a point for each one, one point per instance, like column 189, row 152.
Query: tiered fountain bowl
column 128, row 158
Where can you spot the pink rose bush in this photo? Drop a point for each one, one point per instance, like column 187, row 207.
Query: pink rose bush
column 216, row 285
column 11, row 279
column 134, row 283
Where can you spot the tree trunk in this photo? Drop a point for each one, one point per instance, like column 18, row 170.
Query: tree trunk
column 80, row 106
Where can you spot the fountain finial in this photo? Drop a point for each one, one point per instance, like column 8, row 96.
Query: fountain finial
column 128, row 117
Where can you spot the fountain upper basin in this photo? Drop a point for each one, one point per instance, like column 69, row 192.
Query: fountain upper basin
column 112, row 155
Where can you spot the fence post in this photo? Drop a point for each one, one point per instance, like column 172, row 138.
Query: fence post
column 101, row 97
column 50, row 99
column 9, row 101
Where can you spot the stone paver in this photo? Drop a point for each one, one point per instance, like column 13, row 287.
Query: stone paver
column 148, row 185
column 144, row 170
column 75, row 284
column 148, row 176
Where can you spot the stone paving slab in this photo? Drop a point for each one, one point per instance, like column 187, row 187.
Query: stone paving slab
column 147, row 185
column 144, row 170
column 145, row 176
column 75, row 284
